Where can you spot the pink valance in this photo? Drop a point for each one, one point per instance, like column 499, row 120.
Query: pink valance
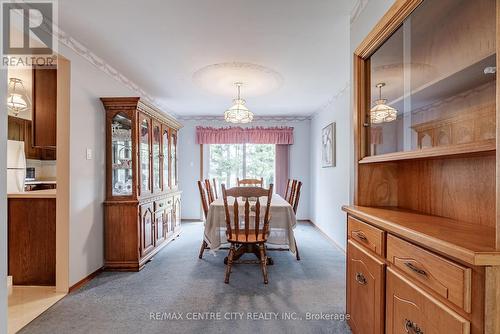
column 238, row 135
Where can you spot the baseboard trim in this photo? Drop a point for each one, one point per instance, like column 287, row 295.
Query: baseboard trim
column 330, row 239
column 85, row 280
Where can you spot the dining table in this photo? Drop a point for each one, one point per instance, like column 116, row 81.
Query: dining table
column 281, row 225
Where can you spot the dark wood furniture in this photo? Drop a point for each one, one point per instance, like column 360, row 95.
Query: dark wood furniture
column 143, row 204
column 250, row 182
column 295, row 205
column 423, row 249
column 32, row 241
column 44, row 107
column 204, row 206
column 250, row 236
column 22, row 130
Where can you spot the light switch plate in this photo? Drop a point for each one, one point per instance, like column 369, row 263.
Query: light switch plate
column 89, row 154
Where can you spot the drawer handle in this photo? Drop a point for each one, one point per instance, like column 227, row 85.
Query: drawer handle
column 361, row 279
column 411, row 326
column 362, row 236
column 413, row 268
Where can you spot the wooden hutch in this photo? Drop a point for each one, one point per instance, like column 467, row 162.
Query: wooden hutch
column 423, row 248
column 143, row 204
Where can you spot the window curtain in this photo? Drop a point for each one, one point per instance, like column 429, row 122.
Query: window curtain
column 238, row 135
column 282, row 168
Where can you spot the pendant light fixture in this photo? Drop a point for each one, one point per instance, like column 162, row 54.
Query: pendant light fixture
column 238, row 112
column 17, row 101
column 381, row 112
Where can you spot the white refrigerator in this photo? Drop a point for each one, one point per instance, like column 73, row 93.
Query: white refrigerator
column 16, row 166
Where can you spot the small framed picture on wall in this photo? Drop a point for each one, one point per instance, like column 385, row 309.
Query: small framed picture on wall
column 328, row 141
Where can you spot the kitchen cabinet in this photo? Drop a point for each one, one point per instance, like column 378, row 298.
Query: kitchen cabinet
column 143, row 203
column 44, row 107
column 22, row 130
column 32, row 241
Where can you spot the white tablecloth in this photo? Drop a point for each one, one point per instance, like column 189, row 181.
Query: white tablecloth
column 281, row 224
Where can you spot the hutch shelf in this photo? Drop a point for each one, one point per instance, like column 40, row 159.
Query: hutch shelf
column 423, row 233
column 143, row 204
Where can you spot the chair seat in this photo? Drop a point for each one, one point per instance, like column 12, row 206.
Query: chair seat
column 241, row 237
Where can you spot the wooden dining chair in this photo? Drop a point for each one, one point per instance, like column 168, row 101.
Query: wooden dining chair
column 239, row 234
column 210, row 191
column 215, row 188
column 204, row 205
column 295, row 206
column 291, row 195
column 250, row 182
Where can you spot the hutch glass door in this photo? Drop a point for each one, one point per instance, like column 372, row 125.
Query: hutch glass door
column 144, row 155
column 157, row 156
column 165, row 155
column 173, row 154
column 433, row 81
column 121, row 155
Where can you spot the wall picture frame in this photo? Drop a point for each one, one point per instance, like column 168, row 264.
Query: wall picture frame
column 328, row 142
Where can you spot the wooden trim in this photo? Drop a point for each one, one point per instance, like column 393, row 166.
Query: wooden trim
column 85, row 280
column 330, row 239
column 389, row 23
column 498, row 133
column 492, row 300
column 483, row 147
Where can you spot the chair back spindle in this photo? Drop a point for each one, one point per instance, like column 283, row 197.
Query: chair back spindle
column 210, row 193
column 250, row 182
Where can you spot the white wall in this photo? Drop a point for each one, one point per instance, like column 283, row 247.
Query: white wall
column 189, row 163
column 3, row 202
column 330, row 186
column 87, row 177
column 333, row 187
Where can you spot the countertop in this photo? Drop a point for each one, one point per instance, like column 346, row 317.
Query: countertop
column 49, row 193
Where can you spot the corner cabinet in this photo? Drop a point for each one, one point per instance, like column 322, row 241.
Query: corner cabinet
column 143, row 203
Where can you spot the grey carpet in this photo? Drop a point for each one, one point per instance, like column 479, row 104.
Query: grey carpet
column 177, row 281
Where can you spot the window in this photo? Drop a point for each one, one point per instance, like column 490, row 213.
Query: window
column 229, row 161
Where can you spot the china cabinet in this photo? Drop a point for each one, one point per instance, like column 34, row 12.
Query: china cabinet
column 143, row 203
column 423, row 252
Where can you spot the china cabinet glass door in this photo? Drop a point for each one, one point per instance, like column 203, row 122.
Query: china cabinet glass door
column 157, row 156
column 144, row 154
column 433, row 85
column 173, row 158
column 165, row 155
column 121, row 155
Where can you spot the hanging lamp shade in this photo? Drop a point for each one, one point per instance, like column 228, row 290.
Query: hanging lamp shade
column 381, row 112
column 238, row 112
column 17, row 101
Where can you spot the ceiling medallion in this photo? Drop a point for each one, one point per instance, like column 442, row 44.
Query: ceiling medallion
column 219, row 79
column 238, row 112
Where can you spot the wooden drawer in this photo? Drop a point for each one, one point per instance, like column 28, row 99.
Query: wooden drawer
column 412, row 310
column 448, row 279
column 163, row 204
column 367, row 235
column 365, row 290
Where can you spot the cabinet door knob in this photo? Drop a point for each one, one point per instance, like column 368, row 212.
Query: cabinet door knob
column 415, row 269
column 361, row 279
column 411, row 327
